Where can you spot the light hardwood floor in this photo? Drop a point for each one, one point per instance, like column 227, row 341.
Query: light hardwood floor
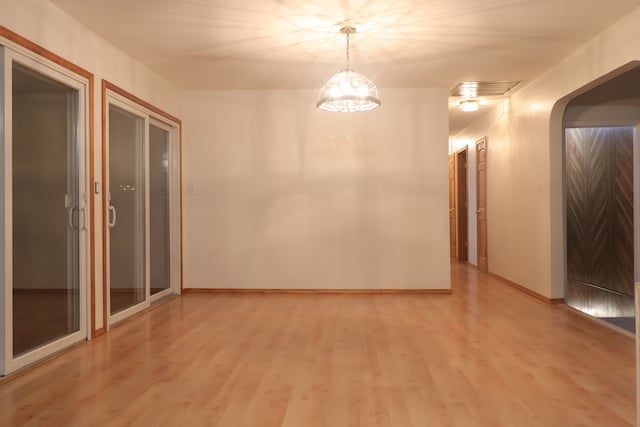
column 487, row 355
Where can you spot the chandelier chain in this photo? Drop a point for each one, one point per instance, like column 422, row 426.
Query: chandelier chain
column 348, row 56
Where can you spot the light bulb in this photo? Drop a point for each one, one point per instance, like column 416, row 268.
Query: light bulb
column 469, row 105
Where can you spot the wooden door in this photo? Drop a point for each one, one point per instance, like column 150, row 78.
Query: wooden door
column 461, row 205
column 452, row 205
column 481, row 203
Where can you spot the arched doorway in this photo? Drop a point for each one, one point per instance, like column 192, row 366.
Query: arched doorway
column 600, row 198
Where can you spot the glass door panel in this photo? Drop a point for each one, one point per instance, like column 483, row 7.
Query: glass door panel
column 159, row 208
column 45, row 210
column 126, row 210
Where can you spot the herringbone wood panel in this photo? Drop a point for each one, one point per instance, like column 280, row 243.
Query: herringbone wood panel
column 599, row 177
column 577, row 244
column 598, row 204
column 622, row 206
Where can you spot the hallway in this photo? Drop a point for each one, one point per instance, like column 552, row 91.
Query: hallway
column 487, row 355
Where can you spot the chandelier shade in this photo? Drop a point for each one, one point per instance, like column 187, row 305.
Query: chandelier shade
column 348, row 91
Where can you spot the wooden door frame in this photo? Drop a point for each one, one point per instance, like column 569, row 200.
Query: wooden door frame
column 452, row 206
column 483, row 266
column 462, row 205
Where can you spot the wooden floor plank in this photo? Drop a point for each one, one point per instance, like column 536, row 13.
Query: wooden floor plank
column 487, row 355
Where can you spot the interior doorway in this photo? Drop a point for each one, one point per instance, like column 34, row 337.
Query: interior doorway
column 601, row 199
column 481, row 204
column 452, row 206
column 462, row 206
column 600, row 229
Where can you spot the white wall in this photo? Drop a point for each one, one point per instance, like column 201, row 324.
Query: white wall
column 614, row 114
column 280, row 194
column 44, row 24
column 525, row 190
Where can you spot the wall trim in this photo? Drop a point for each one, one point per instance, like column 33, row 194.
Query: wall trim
column 526, row 290
column 318, row 291
column 45, row 53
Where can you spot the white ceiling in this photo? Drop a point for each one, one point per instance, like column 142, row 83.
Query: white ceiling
column 295, row 44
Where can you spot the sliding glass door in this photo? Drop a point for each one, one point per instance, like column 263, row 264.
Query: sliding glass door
column 126, row 210
column 140, row 225
column 46, row 222
column 45, row 212
column 159, row 212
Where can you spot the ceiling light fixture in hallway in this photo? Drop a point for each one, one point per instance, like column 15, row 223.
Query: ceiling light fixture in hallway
column 469, row 105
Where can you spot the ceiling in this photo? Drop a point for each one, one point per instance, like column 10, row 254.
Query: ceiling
column 296, row 44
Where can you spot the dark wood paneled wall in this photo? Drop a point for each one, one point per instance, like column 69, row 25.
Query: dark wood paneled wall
column 599, row 176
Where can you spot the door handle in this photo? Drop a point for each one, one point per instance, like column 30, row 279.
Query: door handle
column 112, row 217
column 84, row 219
column 70, row 218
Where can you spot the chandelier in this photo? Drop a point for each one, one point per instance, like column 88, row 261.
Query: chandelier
column 348, row 91
column 469, row 105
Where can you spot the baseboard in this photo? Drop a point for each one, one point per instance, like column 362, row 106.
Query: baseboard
column 99, row 332
column 318, row 291
column 526, row 290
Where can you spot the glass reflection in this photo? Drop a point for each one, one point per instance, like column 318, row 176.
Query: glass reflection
column 126, row 210
column 46, row 220
column 159, row 208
